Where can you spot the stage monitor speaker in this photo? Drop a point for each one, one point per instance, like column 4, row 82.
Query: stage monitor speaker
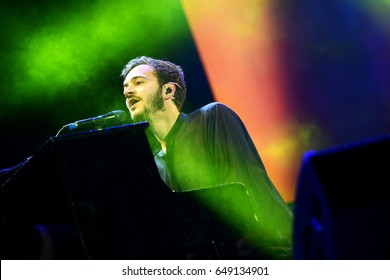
column 342, row 204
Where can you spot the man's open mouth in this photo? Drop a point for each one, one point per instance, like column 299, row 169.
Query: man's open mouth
column 133, row 101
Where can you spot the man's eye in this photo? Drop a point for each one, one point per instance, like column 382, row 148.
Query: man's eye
column 138, row 83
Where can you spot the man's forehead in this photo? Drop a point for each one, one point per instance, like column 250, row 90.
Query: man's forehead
column 142, row 70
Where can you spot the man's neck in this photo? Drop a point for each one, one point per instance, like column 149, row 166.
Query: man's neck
column 162, row 125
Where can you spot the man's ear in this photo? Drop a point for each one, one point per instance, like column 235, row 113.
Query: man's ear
column 169, row 90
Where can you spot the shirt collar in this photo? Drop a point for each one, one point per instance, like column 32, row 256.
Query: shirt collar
column 171, row 134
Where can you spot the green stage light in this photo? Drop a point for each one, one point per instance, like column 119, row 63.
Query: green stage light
column 70, row 46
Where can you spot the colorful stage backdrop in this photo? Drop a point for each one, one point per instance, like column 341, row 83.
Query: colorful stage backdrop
column 303, row 75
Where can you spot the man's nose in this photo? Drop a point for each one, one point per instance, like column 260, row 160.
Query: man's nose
column 127, row 91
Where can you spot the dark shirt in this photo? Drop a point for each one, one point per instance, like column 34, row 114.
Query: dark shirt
column 211, row 147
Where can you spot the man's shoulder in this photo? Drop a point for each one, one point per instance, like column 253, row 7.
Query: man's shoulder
column 214, row 106
column 214, row 110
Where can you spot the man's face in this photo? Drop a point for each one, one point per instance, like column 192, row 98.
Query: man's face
column 143, row 93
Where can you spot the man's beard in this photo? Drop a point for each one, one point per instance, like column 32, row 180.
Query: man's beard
column 156, row 105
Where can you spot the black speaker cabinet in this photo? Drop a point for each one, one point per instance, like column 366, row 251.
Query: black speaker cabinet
column 342, row 205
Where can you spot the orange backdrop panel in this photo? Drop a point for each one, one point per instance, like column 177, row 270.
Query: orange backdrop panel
column 237, row 43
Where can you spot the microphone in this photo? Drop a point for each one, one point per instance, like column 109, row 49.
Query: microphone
column 112, row 118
